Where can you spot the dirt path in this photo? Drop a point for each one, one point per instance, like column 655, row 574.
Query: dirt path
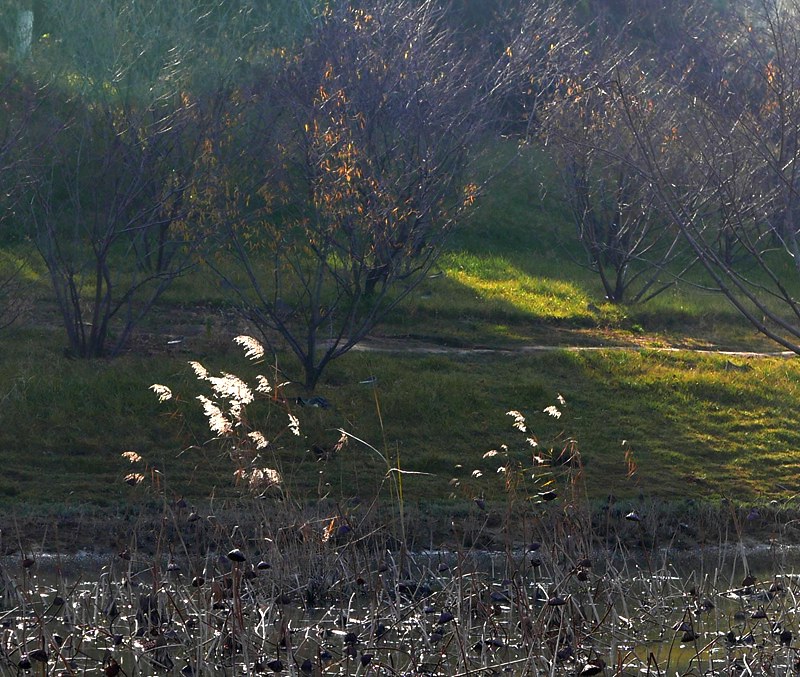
column 415, row 346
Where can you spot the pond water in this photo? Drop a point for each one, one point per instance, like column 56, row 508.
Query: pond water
column 716, row 611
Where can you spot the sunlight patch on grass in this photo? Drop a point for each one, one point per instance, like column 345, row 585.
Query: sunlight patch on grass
column 19, row 263
column 495, row 278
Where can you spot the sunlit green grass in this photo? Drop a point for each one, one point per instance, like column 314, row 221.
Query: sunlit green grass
column 697, row 425
column 496, row 280
column 514, row 272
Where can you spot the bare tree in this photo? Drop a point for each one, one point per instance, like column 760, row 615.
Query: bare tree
column 134, row 92
column 19, row 104
column 627, row 241
column 370, row 133
column 123, row 178
column 739, row 144
column 112, row 218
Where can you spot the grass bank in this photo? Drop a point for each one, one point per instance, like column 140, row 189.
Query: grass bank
column 696, row 424
column 677, row 425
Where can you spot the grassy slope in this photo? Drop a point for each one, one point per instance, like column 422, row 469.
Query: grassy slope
column 699, row 425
